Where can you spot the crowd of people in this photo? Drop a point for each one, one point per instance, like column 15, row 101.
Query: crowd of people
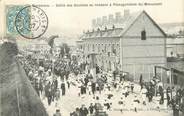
column 53, row 79
column 170, row 97
column 48, row 79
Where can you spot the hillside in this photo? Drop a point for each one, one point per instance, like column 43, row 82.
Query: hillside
column 18, row 97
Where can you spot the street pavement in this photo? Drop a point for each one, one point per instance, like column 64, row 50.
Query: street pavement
column 71, row 100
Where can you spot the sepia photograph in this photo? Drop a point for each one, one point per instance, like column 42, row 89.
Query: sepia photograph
column 91, row 58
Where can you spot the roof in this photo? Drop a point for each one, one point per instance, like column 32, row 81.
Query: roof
column 173, row 29
column 104, row 33
column 119, row 28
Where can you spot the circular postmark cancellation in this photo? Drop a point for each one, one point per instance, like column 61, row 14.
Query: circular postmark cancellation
column 31, row 22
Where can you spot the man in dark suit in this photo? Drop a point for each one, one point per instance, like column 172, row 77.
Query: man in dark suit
column 83, row 111
column 63, row 88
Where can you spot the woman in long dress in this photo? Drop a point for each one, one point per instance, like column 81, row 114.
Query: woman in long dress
column 143, row 94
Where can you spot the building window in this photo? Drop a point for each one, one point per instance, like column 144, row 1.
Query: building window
column 83, row 47
column 108, row 53
column 113, row 49
column 98, row 48
column 88, row 47
column 93, row 48
column 171, row 53
column 102, row 48
column 143, row 35
column 117, row 49
column 105, row 48
column 109, row 48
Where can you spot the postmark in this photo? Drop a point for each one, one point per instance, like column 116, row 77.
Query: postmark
column 31, row 22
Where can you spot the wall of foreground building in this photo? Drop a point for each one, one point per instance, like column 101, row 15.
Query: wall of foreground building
column 140, row 56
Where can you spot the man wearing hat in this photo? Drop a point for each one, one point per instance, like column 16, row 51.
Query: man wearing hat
column 83, row 111
column 57, row 113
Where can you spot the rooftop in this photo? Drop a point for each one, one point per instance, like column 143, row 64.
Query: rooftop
column 113, row 30
column 173, row 29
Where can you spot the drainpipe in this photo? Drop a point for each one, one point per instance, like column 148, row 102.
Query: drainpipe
column 171, row 81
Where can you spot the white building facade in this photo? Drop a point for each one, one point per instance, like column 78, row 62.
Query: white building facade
column 135, row 46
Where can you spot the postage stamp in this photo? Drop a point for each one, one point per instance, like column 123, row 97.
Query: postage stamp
column 29, row 21
column 11, row 13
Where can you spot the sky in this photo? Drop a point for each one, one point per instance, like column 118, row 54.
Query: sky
column 72, row 21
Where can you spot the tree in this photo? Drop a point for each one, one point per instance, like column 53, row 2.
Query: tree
column 51, row 42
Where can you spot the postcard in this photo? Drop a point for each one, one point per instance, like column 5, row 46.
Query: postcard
column 91, row 57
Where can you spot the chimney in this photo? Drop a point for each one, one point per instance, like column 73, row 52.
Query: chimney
column 113, row 26
column 105, row 28
column 94, row 23
column 99, row 22
column 98, row 29
column 126, row 13
column 118, row 17
column 111, row 19
column 104, row 20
